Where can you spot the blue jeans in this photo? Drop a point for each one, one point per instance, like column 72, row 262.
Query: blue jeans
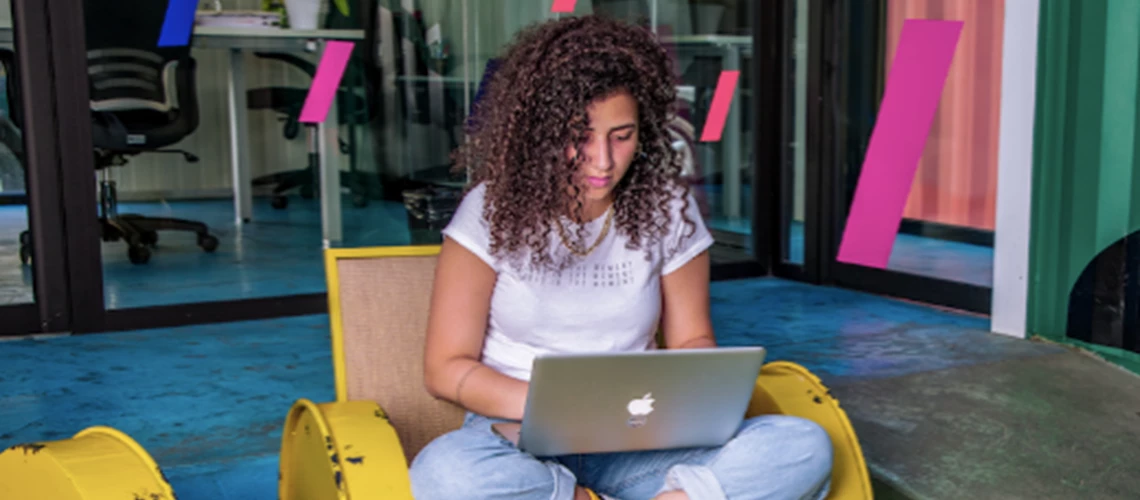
column 771, row 456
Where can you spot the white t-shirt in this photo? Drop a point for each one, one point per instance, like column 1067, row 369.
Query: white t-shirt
column 607, row 301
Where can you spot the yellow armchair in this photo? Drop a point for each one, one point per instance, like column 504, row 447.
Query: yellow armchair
column 360, row 445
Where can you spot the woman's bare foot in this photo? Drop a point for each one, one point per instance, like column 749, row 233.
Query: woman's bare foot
column 672, row 495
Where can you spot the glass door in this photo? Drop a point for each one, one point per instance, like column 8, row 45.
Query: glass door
column 942, row 249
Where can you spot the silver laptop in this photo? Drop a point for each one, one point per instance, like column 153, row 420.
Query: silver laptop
column 660, row 399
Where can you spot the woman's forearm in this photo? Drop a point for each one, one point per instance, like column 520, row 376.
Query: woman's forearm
column 480, row 389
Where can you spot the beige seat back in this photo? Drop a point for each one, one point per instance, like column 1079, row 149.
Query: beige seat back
column 378, row 304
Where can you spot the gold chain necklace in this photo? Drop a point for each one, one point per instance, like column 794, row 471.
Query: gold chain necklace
column 601, row 236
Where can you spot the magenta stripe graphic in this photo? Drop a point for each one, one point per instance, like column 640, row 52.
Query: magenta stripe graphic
column 914, row 88
column 718, row 110
column 325, row 83
column 563, row 6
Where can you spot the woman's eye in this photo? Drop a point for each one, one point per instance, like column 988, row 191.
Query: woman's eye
column 625, row 137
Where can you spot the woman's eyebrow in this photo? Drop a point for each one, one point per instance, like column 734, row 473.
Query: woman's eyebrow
column 615, row 129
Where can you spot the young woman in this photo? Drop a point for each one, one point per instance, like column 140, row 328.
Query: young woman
column 580, row 236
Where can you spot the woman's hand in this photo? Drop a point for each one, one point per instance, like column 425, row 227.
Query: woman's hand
column 457, row 325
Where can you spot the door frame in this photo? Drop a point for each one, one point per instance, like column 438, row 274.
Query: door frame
column 35, row 31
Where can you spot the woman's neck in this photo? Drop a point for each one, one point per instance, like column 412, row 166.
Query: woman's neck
column 593, row 210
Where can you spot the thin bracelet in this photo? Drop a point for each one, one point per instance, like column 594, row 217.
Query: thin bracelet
column 694, row 339
column 463, row 380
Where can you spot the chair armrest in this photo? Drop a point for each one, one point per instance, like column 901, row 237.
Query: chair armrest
column 187, row 89
column 786, row 388
column 341, row 449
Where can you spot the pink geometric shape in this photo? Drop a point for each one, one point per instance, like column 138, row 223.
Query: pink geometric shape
column 326, row 81
column 910, row 100
column 563, row 6
column 718, row 110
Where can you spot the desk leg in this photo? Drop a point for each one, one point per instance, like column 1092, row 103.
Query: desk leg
column 731, row 142
column 329, row 148
column 239, row 136
column 331, row 230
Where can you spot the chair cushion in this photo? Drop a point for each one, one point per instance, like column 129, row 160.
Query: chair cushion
column 384, row 304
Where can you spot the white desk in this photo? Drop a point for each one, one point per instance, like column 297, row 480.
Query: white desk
column 237, row 40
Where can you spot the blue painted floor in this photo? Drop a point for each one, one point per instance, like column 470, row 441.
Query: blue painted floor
column 280, row 253
column 209, row 401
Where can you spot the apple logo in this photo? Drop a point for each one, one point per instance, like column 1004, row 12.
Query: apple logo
column 639, row 410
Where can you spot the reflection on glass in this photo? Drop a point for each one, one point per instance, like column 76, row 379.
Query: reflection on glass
column 15, row 239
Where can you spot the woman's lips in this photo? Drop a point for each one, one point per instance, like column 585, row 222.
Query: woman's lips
column 598, row 182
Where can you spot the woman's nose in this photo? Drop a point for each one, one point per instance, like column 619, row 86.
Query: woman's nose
column 603, row 156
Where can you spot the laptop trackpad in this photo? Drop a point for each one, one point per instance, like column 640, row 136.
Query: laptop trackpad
column 508, row 430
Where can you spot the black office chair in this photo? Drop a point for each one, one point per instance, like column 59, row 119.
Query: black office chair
column 354, row 108
column 132, row 112
column 143, row 98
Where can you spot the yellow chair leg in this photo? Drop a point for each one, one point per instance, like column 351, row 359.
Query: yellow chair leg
column 97, row 463
column 341, row 451
column 790, row 389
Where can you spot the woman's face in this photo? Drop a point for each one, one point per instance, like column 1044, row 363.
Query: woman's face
column 609, row 146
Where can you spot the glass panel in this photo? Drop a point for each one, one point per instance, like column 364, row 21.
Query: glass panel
column 706, row 39
column 169, row 152
column 947, row 227
column 15, row 242
column 385, row 144
column 425, row 83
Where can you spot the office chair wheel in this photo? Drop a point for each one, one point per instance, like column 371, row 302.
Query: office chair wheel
column 25, row 254
column 139, row 254
column 307, row 192
column 279, row 202
column 149, row 238
column 208, row 242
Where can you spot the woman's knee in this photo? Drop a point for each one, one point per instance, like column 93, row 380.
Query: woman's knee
column 777, row 455
column 800, row 440
column 469, row 463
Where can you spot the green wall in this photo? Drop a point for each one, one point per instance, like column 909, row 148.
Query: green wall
column 1086, row 179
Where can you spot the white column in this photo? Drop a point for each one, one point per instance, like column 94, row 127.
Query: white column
column 1015, row 169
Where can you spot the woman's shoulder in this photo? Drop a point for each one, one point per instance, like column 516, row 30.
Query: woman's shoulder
column 468, row 227
column 472, row 201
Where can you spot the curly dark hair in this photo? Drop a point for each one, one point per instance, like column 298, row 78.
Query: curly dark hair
column 535, row 106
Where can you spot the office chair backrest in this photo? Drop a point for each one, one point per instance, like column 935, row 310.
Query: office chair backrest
column 126, row 68
column 379, row 299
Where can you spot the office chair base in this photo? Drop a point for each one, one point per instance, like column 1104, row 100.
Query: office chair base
column 141, row 233
column 303, row 181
